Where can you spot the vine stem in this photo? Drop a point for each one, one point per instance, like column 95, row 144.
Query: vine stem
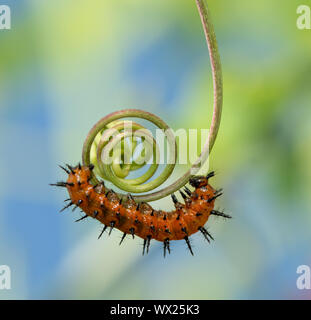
column 215, row 123
column 218, row 102
column 216, row 70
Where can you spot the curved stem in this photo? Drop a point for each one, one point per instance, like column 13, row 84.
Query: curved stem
column 218, row 100
column 216, row 70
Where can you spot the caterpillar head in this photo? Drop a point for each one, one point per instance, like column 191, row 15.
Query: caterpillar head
column 200, row 181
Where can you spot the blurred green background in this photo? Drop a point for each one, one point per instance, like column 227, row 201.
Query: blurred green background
column 66, row 64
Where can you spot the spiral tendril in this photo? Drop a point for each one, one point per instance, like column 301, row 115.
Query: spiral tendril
column 112, row 143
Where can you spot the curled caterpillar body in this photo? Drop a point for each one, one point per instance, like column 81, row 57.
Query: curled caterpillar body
column 141, row 219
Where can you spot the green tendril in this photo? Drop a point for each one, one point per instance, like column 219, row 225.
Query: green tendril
column 110, row 145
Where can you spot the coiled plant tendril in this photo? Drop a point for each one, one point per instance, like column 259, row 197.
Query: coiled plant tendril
column 110, row 133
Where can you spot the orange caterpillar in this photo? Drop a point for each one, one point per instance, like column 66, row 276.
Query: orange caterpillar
column 141, row 219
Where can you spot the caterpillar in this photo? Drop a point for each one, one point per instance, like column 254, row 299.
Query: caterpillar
column 140, row 219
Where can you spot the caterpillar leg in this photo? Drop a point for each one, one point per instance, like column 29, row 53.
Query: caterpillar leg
column 146, row 244
column 166, row 246
column 206, row 234
column 102, row 232
column 188, row 244
column 123, row 237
